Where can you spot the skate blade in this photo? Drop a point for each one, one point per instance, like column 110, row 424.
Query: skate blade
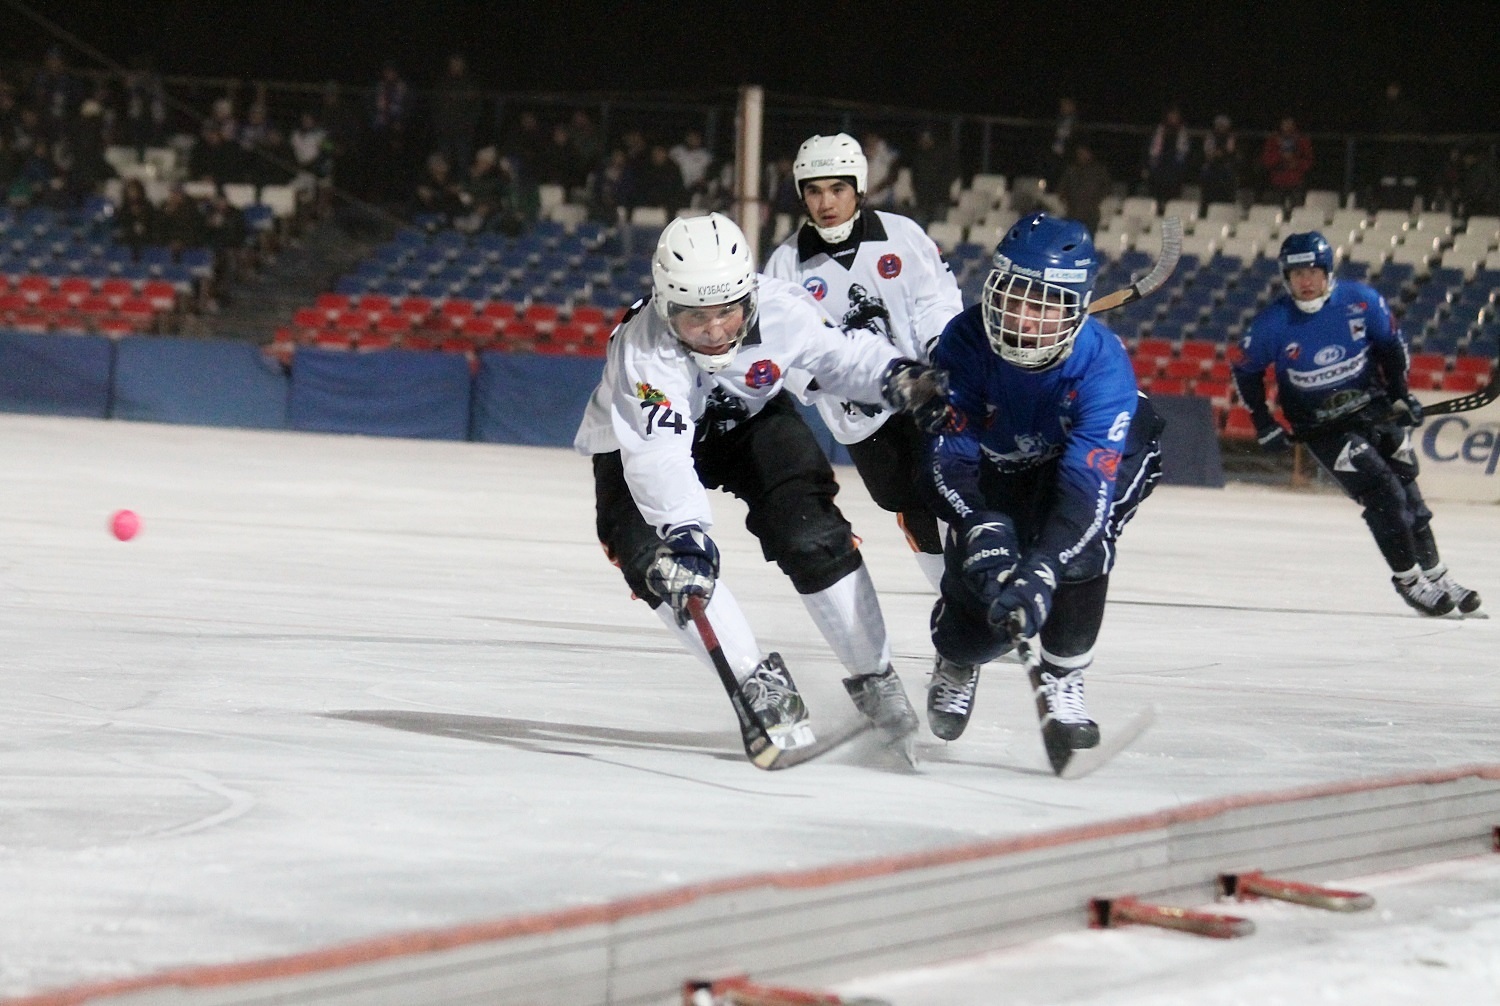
column 1115, row 740
column 792, row 736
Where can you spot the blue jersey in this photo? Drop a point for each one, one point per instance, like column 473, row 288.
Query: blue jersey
column 1010, row 419
column 1329, row 364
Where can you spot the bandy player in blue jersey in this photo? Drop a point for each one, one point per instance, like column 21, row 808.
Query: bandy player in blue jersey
column 1341, row 365
column 1049, row 450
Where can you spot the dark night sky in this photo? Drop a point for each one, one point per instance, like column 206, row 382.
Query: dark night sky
column 1325, row 62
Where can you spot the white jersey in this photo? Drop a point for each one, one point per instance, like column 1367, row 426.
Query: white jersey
column 888, row 278
column 652, row 396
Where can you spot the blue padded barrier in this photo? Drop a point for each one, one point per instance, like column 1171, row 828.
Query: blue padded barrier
column 1190, row 454
column 55, row 375
column 390, row 394
column 206, row 382
column 534, row 400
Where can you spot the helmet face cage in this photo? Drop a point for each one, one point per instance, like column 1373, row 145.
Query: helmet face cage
column 1036, row 298
column 1030, row 323
column 705, row 316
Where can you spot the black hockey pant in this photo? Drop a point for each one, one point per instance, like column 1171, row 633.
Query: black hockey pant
column 890, row 461
column 774, row 464
column 1376, row 465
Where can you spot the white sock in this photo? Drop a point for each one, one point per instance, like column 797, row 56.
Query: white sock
column 736, row 638
column 931, row 565
column 848, row 615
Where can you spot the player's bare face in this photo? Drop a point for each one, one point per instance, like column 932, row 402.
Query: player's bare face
column 709, row 330
column 1308, row 282
column 1032, row 323
column 829, row 201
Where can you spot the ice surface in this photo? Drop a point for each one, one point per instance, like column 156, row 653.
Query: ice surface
column 343, row 686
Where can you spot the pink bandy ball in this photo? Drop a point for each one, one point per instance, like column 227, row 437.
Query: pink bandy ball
column 125, row 524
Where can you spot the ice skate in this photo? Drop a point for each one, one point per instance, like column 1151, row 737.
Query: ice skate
column 950, row 698
column 1424, row 595
column 1066, row 726
column 773, row 700
column 1464, row 599
column 883, row 699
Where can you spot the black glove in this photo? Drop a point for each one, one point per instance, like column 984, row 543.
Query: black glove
column 686, row 565
column 1025, row 600
column 1272, row 437
column 1407, row 410
column 920, row 390
column 990, row 554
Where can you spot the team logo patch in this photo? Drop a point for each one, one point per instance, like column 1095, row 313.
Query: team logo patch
column 762, row 374
column 816, row 286
column 650, row 395
column 1356, row 328
column 889, row 265
column 1104, row 461
column 1328, row 355
column 1293, row 350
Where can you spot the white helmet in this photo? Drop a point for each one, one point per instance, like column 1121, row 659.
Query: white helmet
column 837, row 156
column 704, row 262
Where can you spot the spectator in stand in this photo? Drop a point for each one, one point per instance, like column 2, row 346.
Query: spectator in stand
column 214, row 159
column 456, row 109
column 557, row 164
column 1475, row 183
column 1166, row 167
column 438, row 191
column 693, row 161
column 1083, row 185
column 179, row 224
column 221, row 114
column 587, row 143
column 345, row 128
column 884, row 163
column 135, row 218
column 144, row 120
column 491, row 196
column 312, row 153
column 659, row 182
column 611, row 188
column 1056, row 157
column 390, row 126
column 86, row 149
column 55, row 93
column 934, row 169
column 1286, row 158
column 1219, row 175
column 224, row 231
column 783, row 193
column 1399, row 165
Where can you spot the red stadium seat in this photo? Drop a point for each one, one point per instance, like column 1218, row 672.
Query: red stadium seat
column 1198, row 349
column 75, row 288
column 332, row 304
column 1184, row 370
column 161, row 294
column 1461, row 382
column 1237, row 424
column 116, row 290
column 33, row 287
column 1169, row 386
column 1160, row 349
column 1145, row 367
column 1479, row 365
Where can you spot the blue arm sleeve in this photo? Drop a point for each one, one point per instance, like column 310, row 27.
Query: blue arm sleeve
column 1250, row 372
column 954, row 472
column 1388, row 347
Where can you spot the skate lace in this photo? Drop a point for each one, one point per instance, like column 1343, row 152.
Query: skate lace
column 950, row 695
column 1450, row 587
column 767, row 691
column 1428, row 593
column 1065, row 697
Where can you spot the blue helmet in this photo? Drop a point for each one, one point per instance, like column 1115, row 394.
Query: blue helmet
column 1301, row 250
column 1037, row 296
column 1310, row 248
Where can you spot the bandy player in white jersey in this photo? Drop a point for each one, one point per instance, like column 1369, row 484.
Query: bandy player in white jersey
column 879, row 272
column 692, row 396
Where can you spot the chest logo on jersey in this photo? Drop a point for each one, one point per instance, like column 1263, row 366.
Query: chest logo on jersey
column 816, row 286
column 1356, row 328
column 650, row 395
column 1327, row 355
column 1293, row 350
column 889, row 265
column 762, row 374
column 1358, row 307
